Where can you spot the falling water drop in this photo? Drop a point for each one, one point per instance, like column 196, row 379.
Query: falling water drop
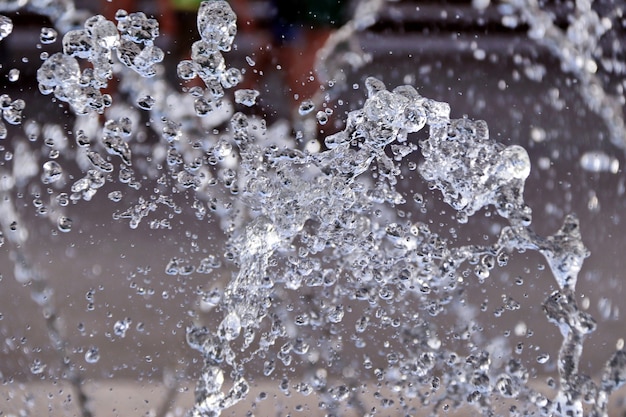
column 13, row 75
column 306, row 107
column 246, row 97
column 543, row 358
column 47, row 35
column 115, row 196
column 230, row 328
column 121, row 326
column 146, row 102
column 37, row 367
column 92, row 355
column 597, row 161
column 6, row 26
column 52, row 172
column 322, row 117
column 64, row 224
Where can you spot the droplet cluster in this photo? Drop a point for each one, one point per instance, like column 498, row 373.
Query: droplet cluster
column 330, row 251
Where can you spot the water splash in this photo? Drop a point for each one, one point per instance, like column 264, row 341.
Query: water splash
column 579, row 49
column 6, row 27
column 325, row 221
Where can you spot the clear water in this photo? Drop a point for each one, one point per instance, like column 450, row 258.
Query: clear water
column 332, row 253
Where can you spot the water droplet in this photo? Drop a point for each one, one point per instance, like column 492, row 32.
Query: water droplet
column 47, row 35
column 121, row 326
column 246, row 97
column 597, row 161
column 322, row 117
column 13, row 75
column 230, row 327
column 37, row 367
column 6, row 26
column 543, row 358
column 505, row 386
column 3, row 131
column 336, row 314
column 52, row 172
column 99, row 162
column 13, row 112
column 268, row 367
column 306, row 107
column 92, row 355
column 64, row 224
column 146, row 102
column 217, row 24
column 62, row 199
column 115, row 196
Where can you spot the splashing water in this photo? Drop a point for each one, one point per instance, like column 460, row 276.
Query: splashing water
column 579, row 51
column 320, row 253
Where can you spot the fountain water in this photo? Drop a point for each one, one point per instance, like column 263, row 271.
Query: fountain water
column 343, row 286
